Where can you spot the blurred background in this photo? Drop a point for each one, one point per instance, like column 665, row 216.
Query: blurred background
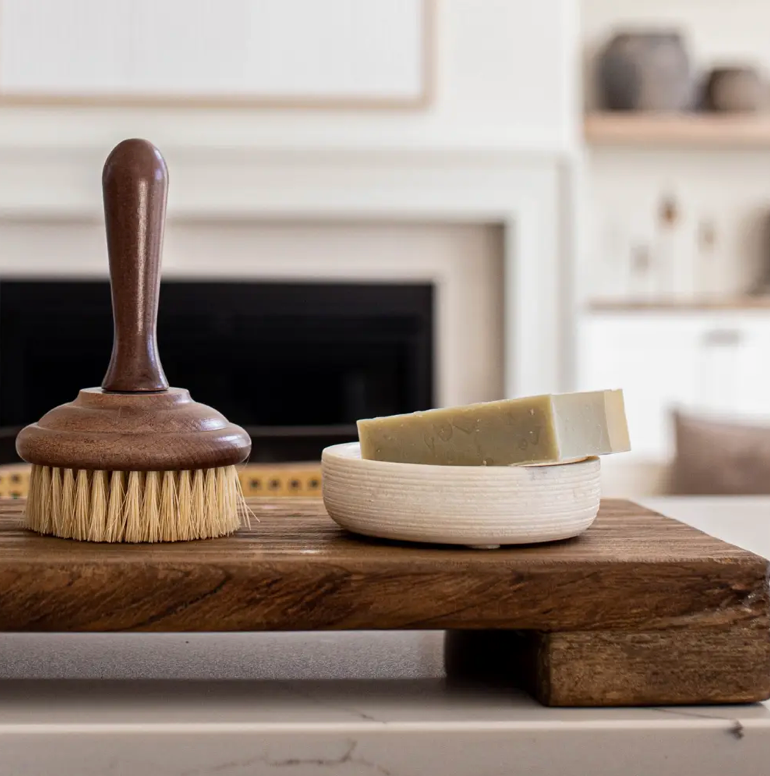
column 379, row 206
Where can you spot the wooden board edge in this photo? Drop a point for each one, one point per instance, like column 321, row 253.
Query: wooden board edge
column 739, row 551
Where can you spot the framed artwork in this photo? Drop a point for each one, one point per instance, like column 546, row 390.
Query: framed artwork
column 251, row 53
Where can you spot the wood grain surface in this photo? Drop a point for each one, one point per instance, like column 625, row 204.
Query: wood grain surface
column 294, row 569
column 135, row 190
column 614, row 668
column 147, row 431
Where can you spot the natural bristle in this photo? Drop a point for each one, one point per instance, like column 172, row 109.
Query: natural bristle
column 135, row 507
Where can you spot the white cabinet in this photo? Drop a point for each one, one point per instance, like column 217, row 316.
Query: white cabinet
column 708, row 362
column 752, row 383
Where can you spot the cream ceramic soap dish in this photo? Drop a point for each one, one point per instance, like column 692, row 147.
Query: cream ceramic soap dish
column 476, row 506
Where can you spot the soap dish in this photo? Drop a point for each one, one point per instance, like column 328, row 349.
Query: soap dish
column 477, row 506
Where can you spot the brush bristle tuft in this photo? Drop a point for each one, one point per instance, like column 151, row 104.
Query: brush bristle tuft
column 134, row 506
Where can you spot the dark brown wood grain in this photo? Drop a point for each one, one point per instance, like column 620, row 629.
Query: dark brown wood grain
column 134, row 422
column 150, row 431
column 622, row 668
column 294, row 569
column 135, row 189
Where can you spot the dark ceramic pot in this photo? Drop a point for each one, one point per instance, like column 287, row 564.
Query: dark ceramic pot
column 645, row 71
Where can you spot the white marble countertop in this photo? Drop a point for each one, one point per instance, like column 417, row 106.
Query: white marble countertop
column 350, row 703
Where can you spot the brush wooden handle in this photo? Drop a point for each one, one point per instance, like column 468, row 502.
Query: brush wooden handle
column 135, row 187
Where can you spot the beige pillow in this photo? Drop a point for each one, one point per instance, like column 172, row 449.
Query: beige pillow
column 720, row 457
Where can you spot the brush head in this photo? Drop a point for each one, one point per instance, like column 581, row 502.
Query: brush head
column 99, row 506
column 160, row 431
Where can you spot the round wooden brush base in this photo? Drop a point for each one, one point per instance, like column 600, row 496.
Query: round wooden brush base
column 160, row 431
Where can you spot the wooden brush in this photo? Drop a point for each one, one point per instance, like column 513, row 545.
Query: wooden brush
column 134, row 460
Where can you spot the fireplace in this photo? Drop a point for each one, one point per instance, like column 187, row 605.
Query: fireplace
column 294, row 363
column 488, row 229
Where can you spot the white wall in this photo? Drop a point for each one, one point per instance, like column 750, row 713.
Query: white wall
column 505, row 80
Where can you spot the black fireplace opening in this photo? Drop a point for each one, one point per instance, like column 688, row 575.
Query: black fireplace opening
column 296, row 364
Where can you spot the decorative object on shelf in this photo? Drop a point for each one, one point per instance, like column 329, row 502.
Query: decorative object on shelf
column 641, row 276
column 707, row 274
column 734, row 90
column 673, row 261
column 762, row 285
column 646, row 71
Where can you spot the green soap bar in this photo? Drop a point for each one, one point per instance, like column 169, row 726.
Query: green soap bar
column 534, row 429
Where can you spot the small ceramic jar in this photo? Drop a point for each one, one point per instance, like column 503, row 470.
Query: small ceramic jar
column 734, row 90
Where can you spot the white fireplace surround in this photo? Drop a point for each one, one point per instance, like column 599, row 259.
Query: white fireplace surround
column 525, row 195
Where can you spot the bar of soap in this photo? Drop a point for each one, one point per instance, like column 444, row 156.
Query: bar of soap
column 530, row 430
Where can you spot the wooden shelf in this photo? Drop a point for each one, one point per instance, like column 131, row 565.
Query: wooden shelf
column 738, row 303
column 707, row 130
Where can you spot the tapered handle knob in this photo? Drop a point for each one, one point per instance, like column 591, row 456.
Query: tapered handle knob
column 135, row 188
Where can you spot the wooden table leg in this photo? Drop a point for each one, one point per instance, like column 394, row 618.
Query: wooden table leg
column 618, row 668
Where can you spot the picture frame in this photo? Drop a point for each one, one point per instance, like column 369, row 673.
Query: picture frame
column 340, row 99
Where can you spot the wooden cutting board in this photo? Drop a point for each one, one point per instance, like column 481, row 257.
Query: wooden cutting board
column 641, row 609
